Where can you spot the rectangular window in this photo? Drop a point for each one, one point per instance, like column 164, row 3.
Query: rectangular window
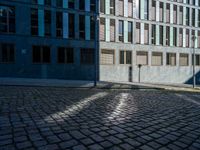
column 121, row 7
column 87, row 56
column 161, row 11
column 112, row 30
column 102, row 6
column 137, row 33
column 181, row 15
column 193, row 17
column 146, row 9
column 157, row 59
column 125, row 57
column 71, row 26
column 153, row 34
column 47, row 17
column 34, row 21
column 198, row 39
column 93, row 5
column 121, row 31
column 130, row 32
column 168, row 13
column 65, row 55
column 167, row 36
column 193, row 35
column 7, row 53
column 7, row 19
column 47, row 2
column 41, row 54
column 71, row 4
column 107, row 57
column 187, row 16
column 175, row 36
column 187, row 37
column 180, row 37
column 197, row 60
column 175, row 14
column 161, row 35
column 153, row 10
column 92, row 28
column 112, row 7
column 130, row 8
column 142, row 58
column 198, row 17
column 59, row 24
column 171, row 59
column 146, row 33
column 102, row 29
column 184, row 59
column 82, row 4
column 59, row 3
column 81, row 26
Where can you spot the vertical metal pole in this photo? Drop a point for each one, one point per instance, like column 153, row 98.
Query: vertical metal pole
column 96, row 53
column 194, row 63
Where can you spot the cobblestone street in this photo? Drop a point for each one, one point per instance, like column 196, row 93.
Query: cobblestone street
column 61, row 118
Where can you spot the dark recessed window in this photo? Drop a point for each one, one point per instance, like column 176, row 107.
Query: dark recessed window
column 7, row 53
column 87, row 56
column 59, row 24
column 34, row 21
column 7, row 19
column 81, row 26
column 71, row 26
column 41, row 54
column 65, row 55
column 47, row 17
column 82, row 4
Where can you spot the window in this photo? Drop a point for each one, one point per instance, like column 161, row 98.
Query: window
column 197, row 59
column 184, row 59
column 175, row 36
column 161, row 35
column 107, row 57
column 181, row 15
column 167, row 36
column 157, row 59
column 193, row 17
column 161, row 11
column 130, row 8
column 198, row 24
column 146, row 33
column 175, row 14
column 102, row 29
column 59, row 3
column 47, row 2
column 102, row 6
column 180, row 37
column 137, row 33
column 125, row 57
column 7, row 19
column 198, row 39
column 121, row 7
column 112, row 7
column 92, row 28
column 121, row 31
column 34, row 22
column 153, row 34
column 82, row 26
column 47, row 17
column 82, row 4
column 193, row 35
column 7, row 53
column 71, row 25
column 59, row 24
column 153, row 10
column 112, row 30
column 168, row 13
column 187, row 16
column 146, row 9
column 65, row 55
column 142, row 58
column 71, row 4
column 171, row 59
column 130, row 32
column 93, row 5
column 87, row 56
column 41, row 54
column 187, row 37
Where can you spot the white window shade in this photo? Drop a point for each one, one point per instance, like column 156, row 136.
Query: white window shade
column 107, row 57
column 142, row 58
column 157, row 59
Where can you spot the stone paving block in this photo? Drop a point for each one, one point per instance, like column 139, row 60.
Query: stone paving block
column 24, row 145
column 79, row 147
column 95, row 147
column 68, row 144
column 106, row 144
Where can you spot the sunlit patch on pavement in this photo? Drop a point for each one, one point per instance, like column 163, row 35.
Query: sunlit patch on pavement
column 76, row 108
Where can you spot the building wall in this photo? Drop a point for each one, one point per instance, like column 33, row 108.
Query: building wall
column 141, row 42
column 23, row 41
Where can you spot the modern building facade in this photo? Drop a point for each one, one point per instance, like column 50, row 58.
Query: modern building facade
column 56, row 39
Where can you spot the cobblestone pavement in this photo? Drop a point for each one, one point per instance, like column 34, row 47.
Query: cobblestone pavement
column 59, row 118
